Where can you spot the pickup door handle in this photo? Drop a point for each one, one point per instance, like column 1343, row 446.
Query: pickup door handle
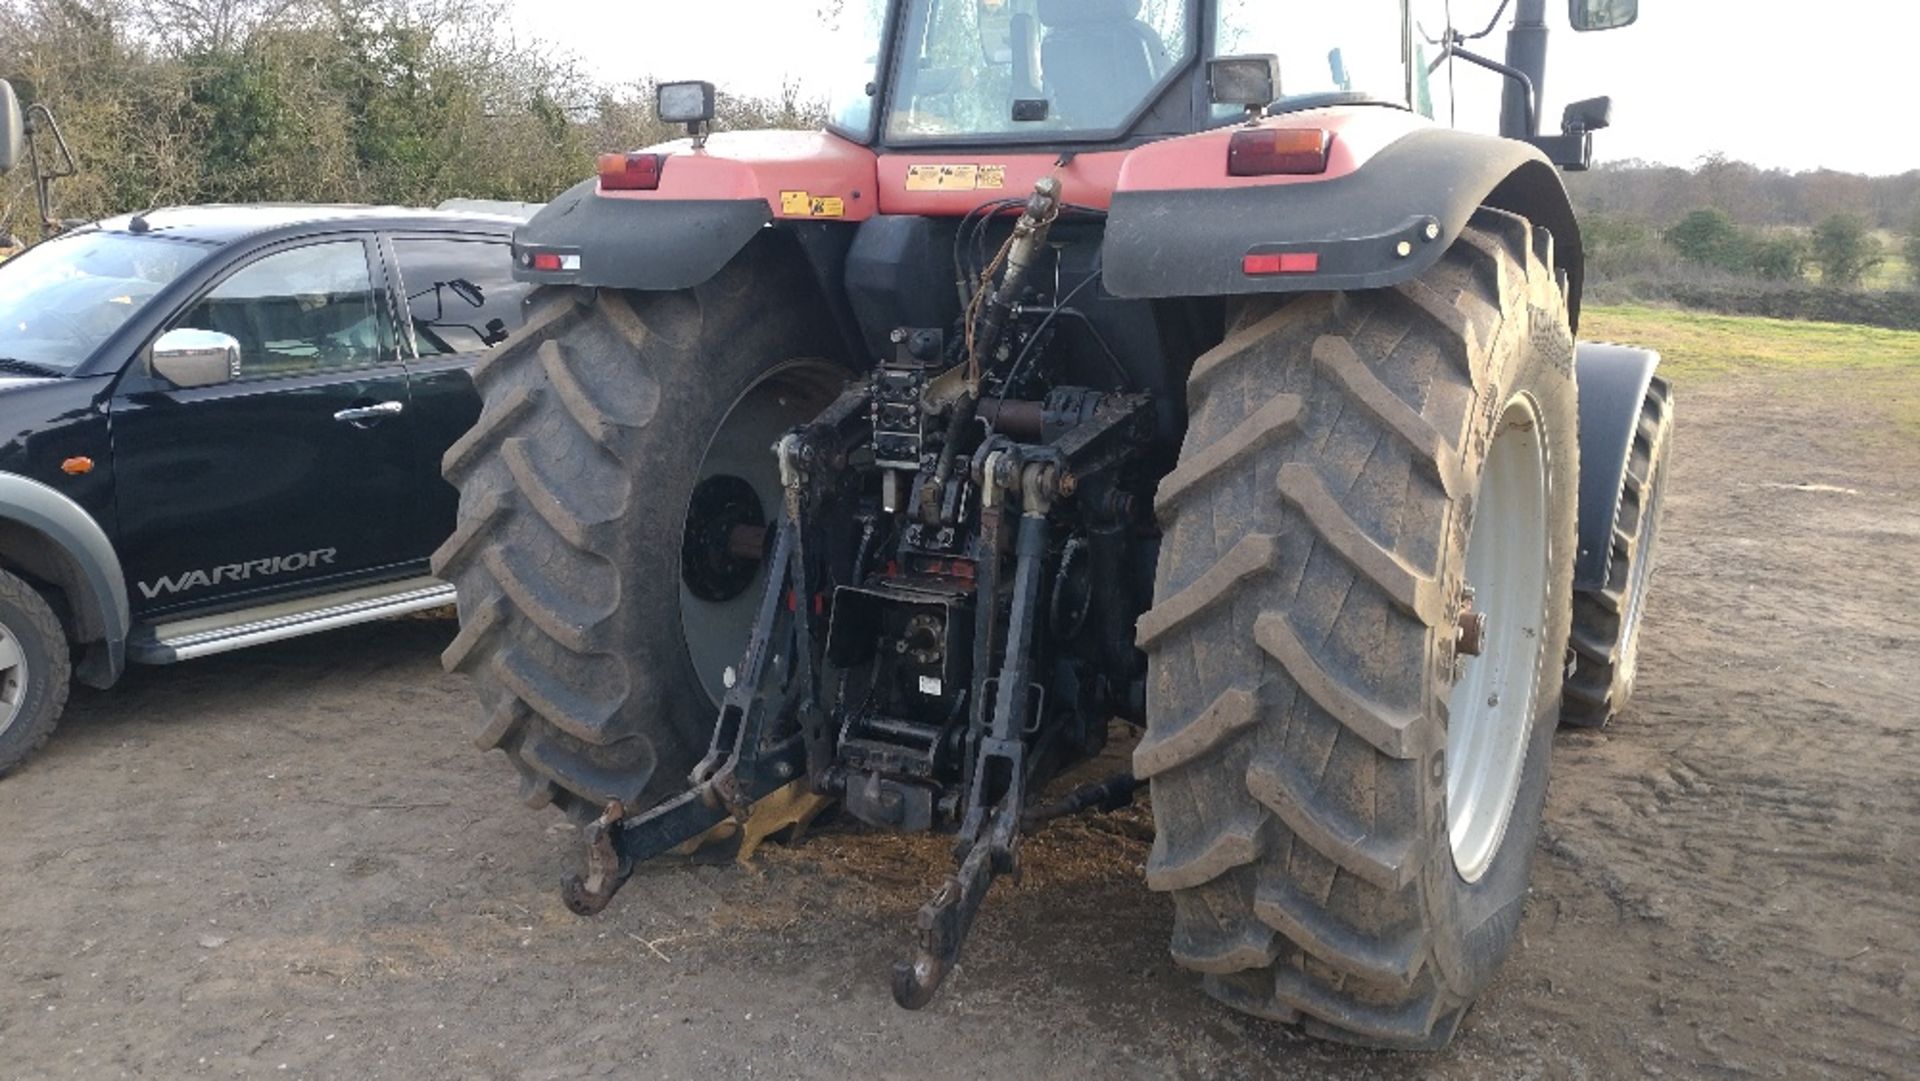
column 362, row 414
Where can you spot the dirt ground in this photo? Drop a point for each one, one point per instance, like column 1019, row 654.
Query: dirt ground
column 289, row 862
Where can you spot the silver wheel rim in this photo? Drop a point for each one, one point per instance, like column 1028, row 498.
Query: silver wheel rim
column 1637, row 578
column 716, row 632
column 1490, row 711
column 13, row 677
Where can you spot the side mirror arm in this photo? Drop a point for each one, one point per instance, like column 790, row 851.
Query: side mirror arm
column 40, row 118
column 1529, row 94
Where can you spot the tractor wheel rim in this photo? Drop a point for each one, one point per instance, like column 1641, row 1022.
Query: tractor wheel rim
column 13, row 677
column 1491, row 707
column 715, row 626
column 1644, row 546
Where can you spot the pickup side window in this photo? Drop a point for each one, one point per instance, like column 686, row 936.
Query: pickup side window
column 298, row 312
column 461, row 296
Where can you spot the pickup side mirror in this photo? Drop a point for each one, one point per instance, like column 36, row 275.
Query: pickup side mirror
column 1603, row 14
column 13, row 128
column 196, row 358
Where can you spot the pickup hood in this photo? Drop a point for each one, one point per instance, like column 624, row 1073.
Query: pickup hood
column 9, row 382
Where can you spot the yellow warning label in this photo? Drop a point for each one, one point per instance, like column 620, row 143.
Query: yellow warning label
column 943, row 177
column 800, row 204
column 956, row 177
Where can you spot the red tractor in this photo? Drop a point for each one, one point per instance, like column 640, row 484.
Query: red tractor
column 1159, row 361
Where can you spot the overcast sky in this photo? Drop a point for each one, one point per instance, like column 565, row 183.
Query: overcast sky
column 1790, row 85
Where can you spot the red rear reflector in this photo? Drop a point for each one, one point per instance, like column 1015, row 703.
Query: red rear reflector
column 1291, row 262
column 546, row 260
column 630, row 172
column 1279, row 152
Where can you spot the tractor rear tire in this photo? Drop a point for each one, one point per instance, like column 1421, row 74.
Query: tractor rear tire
column 575, row 486
column 1302, row 646
column 1606, row 621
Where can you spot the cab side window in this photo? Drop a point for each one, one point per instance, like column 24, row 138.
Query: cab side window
column 299, row 311
column 1432, row 67
column 1354, row 47
column 461, row 296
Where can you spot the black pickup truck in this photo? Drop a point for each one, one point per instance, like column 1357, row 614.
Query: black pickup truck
column 222, row 426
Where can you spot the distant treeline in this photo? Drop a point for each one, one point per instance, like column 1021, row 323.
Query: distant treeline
column 375, row 101
column 1751, row 196
column 412, row 102
column 1729, row 235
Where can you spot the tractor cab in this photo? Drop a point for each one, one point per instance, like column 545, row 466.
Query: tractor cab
column 1112, row 72
column 1118, row 72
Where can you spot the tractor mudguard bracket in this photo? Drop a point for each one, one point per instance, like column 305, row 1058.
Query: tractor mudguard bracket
column 1613, row 381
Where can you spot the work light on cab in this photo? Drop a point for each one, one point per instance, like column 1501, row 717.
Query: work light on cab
column 689, row 103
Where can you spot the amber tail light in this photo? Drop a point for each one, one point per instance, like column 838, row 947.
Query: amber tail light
column 1279, row 152
column 630, row 172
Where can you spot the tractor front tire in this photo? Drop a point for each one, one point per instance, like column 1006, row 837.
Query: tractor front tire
column 575, row 488
column 1606, row 621
column 1305, row 640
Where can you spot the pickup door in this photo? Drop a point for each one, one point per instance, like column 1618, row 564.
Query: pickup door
column 300, row 472
column 460, row 300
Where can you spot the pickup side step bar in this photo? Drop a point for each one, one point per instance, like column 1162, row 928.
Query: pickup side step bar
column 185, row 639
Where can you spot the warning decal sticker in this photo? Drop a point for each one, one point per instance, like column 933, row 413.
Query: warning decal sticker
column 957, row 177
column 800, row 204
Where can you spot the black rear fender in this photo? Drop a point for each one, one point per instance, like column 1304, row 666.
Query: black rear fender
column 664, row 245
column 1414, row 196
column 651, row 244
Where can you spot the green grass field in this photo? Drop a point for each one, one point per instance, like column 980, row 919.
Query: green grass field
column 1880, row 368
column 1702, row 343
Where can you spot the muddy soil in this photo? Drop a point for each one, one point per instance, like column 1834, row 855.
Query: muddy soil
column 289, row 862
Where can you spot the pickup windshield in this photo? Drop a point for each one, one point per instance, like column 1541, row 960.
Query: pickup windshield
column 1037, row 68
column 60, row 301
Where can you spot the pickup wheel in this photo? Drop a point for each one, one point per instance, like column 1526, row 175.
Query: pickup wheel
column 34, row 671
column 610, row 496
column 1347, row 766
